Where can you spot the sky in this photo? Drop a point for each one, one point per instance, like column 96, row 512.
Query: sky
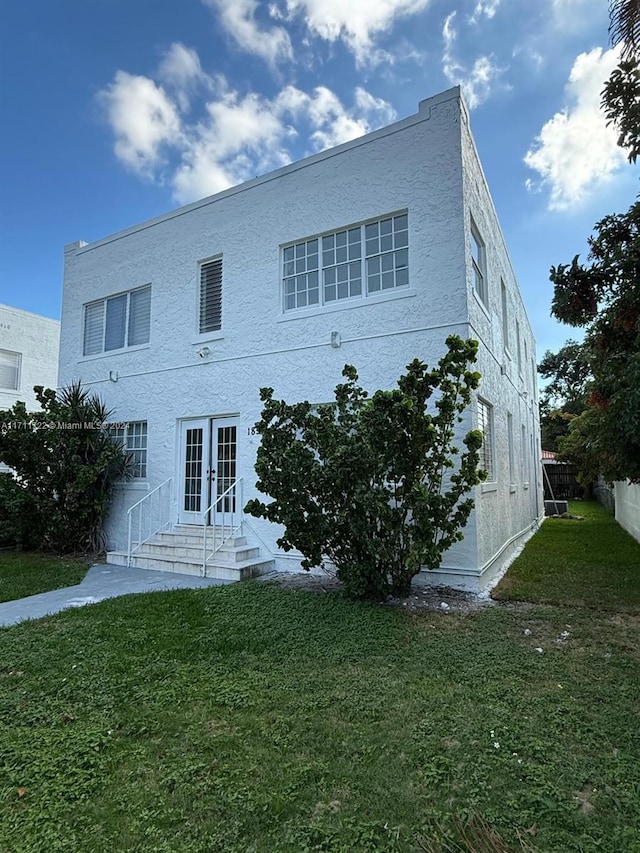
column 116, row 111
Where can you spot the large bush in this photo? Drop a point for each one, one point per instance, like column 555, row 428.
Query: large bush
column 375, row 485
column 65, row 463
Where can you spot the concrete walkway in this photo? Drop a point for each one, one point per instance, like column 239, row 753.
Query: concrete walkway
column 101, row 581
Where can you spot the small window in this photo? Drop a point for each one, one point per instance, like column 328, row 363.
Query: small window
column 518, row 348
column 117, row 322
column 512, row 473
column 10, row 370
column 133, row 437
column 524, row 455
column 210, row 313
column 479, row 260
column 505, row 315
column 485, row 425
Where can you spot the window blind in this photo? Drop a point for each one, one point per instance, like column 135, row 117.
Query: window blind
column 211, row 296
column 139, row 316
column 93, row 328
column 9, row 370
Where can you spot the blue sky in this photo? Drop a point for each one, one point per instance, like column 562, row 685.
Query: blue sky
column 115, row 111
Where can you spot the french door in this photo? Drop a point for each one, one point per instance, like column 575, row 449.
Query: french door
column 208, row 453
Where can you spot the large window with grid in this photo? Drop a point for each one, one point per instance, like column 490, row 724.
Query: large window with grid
column 349, row 264
column 133, row 437
column 117, row 322
column 485, row 425
column 10, row 370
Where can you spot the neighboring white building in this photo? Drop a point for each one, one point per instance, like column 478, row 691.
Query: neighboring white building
column 29, row 346
column 370, row 254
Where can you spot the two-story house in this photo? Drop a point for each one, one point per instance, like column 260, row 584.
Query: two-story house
column 370, row 253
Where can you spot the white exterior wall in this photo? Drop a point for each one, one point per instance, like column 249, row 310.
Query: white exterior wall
column 413, row 165
column 37, row 339
column 627, row 497
column 510, row 506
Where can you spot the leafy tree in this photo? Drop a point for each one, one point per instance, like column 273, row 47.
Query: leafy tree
column 604, row 298
column 565, row 396
column 375, row 485
column 65, row 463
column 621, row 94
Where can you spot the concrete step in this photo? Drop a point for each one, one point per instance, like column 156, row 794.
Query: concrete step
column 195, row 537
column 226, row 553
column 241, row 570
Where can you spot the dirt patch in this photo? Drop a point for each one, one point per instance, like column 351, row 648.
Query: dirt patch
column 442, row 598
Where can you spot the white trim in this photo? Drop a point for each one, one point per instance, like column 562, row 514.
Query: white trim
column 342, row 305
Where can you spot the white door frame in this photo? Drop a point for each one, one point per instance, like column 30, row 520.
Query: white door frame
column 207, row 463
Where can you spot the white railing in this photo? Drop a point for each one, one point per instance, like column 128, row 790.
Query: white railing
column 224, row 516
column 153, row 514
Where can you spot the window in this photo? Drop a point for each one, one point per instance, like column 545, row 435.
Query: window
column 518, row 346
column 210, row 314
column 485, row 425
column 118, row 321
column 352, row 263
column 9, row 370
column 505, row 315
column 479, row 260
column 133, row 437
column 524, row 455
column 512, row 473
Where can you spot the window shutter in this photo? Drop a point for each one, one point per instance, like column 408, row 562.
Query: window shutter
column 93, row 328
column 211, row 296
column 9, row 370
column 116, row 322
column 139, row 316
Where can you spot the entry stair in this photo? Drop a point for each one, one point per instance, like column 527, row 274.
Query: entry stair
column 181, row 550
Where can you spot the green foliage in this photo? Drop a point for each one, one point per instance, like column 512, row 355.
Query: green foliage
column 621, row 105
column 65, row 464
column 371, row 483
column 604, row 298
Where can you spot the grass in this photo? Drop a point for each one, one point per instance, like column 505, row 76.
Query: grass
column 249, row 719
column 592, row 563
column 23, row 574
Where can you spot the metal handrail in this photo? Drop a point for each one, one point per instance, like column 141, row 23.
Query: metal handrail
column 138, row 505
column 234, row 495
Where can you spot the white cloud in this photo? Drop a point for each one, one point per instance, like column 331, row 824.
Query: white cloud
column 237, row 136
column 476, row 82
column 573, row 16
column 238, row 19
column 488, row 8
column 181, row 72
column 355, row 22
column 143, row 119
column 575, row 150
column 330, row 121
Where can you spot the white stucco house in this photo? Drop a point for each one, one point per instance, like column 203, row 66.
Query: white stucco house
column 370, row 254
column 29, row 348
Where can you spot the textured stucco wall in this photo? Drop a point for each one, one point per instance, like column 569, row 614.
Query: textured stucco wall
column 37, row 338
column 507, row 506
column 415, row 165
column 628, row 507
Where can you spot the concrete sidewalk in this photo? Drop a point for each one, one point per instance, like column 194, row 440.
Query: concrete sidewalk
column 101, row 581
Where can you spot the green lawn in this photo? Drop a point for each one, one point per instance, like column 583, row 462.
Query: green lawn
column 23, row 574
column 592, row 562
column 249, row 719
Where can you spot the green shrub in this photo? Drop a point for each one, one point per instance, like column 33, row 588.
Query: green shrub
column 375, row 484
